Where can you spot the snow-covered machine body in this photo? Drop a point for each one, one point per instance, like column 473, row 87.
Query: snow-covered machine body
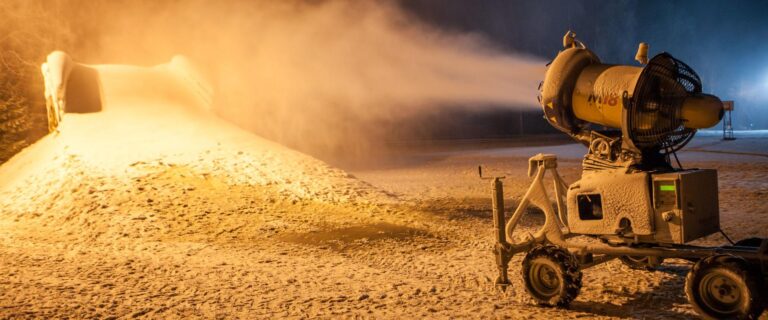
column 636, row 202
column 674, row 207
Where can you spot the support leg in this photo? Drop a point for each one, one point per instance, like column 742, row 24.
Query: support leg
column 501, row 250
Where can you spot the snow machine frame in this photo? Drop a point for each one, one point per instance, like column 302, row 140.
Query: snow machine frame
column 554, row 238
column 632, row 119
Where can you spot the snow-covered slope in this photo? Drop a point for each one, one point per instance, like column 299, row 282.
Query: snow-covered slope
column 155, row 158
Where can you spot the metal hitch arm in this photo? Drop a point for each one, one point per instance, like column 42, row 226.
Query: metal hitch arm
column 552, row 230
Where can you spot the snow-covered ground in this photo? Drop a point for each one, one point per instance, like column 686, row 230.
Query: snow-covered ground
column 154, row 208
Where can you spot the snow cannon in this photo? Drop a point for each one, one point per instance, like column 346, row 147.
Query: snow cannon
column 655, row 108
column 70, row 87
column 631, row 201
column 74, row 87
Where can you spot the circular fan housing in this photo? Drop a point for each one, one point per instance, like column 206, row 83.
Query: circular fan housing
column 654, row 115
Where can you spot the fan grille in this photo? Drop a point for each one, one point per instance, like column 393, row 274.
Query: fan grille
column 654, row 120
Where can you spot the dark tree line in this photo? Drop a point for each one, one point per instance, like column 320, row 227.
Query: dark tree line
column 29, row 30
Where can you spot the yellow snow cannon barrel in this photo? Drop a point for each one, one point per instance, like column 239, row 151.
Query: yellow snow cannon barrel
column 598, row 95
column 658, row 105
column 598, row 98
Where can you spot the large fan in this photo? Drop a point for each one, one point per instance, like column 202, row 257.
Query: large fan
column 655, row 112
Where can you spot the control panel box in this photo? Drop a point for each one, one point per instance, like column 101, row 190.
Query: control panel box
column 686, row 205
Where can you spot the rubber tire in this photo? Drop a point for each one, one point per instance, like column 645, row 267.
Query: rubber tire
column 645, row 263
column 746, row 277
column 560, row 263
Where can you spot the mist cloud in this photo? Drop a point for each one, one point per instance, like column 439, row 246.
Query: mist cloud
column 319, row 75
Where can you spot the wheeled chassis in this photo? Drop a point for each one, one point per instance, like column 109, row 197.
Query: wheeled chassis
column 554, row 231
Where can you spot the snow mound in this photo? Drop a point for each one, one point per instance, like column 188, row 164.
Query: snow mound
column 155, row 162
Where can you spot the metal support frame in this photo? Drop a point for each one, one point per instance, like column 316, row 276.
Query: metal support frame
column 555, row 230
column 552, row 230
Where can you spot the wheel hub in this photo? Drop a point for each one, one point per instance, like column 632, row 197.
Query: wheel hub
column 545, row 279
column 720, row 293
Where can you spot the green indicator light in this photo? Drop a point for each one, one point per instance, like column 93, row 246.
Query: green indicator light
column 667, row 187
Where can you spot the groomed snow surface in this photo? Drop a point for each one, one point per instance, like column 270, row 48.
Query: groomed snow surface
column 153, row 208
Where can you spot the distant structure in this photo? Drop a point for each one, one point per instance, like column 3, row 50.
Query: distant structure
column 727, row 121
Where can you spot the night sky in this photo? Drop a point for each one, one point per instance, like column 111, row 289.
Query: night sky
column 726, row 42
